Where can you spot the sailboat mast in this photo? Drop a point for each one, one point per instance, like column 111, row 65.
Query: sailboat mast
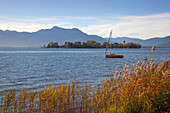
column 109, row 42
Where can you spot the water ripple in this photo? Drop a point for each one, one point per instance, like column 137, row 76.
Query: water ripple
column 36, row 67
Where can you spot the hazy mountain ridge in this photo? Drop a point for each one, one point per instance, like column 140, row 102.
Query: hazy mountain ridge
column 159, row 42
column 61, row 35
column 44, row 36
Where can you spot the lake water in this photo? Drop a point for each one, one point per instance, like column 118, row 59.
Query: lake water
column 36, row 67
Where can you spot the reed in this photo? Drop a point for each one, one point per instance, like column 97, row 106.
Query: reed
column 145, row 87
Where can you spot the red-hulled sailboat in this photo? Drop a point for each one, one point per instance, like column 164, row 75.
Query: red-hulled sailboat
column 111, row 55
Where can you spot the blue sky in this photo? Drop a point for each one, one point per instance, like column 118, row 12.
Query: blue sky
column 134, row 18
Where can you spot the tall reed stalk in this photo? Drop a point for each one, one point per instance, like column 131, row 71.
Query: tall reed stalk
column 141, row 88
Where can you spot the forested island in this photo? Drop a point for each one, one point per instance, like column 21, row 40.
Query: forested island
column 92, row 44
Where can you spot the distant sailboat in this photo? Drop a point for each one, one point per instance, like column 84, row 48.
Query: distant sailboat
column 111, row 55
column 153, row 48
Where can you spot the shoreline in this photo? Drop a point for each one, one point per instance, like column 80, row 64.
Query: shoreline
column 75, row 48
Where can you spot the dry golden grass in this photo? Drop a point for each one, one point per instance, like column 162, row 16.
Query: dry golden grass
column 142, row 88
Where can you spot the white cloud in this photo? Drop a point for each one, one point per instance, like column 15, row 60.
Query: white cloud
column 35, row 24
column 143, row 27
column 134, row 26
column 28, row 27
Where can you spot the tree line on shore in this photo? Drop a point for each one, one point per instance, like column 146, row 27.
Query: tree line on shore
column 92, row 44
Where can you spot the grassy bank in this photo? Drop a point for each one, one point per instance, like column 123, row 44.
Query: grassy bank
column 140, row 88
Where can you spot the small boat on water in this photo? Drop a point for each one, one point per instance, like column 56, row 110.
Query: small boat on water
column 153, row 47
column 111, row 55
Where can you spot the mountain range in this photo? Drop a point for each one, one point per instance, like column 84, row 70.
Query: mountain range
column 61, row 35
column 158, row 41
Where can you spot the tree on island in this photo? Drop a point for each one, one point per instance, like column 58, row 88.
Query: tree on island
column 92, row 44
column 115, row 45
column 68, row 44
column 105, row 44
column 131, row 45
column 84, row 44
column 44, row 46
column 77, row 44
column 53, row 45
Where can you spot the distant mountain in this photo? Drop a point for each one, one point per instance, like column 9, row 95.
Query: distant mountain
column 159, row 42
column 61, row 35
column 44, row 36
column 166, row 44
column 126, row 39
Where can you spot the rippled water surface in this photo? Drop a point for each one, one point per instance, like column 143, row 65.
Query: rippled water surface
column 36, row 67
